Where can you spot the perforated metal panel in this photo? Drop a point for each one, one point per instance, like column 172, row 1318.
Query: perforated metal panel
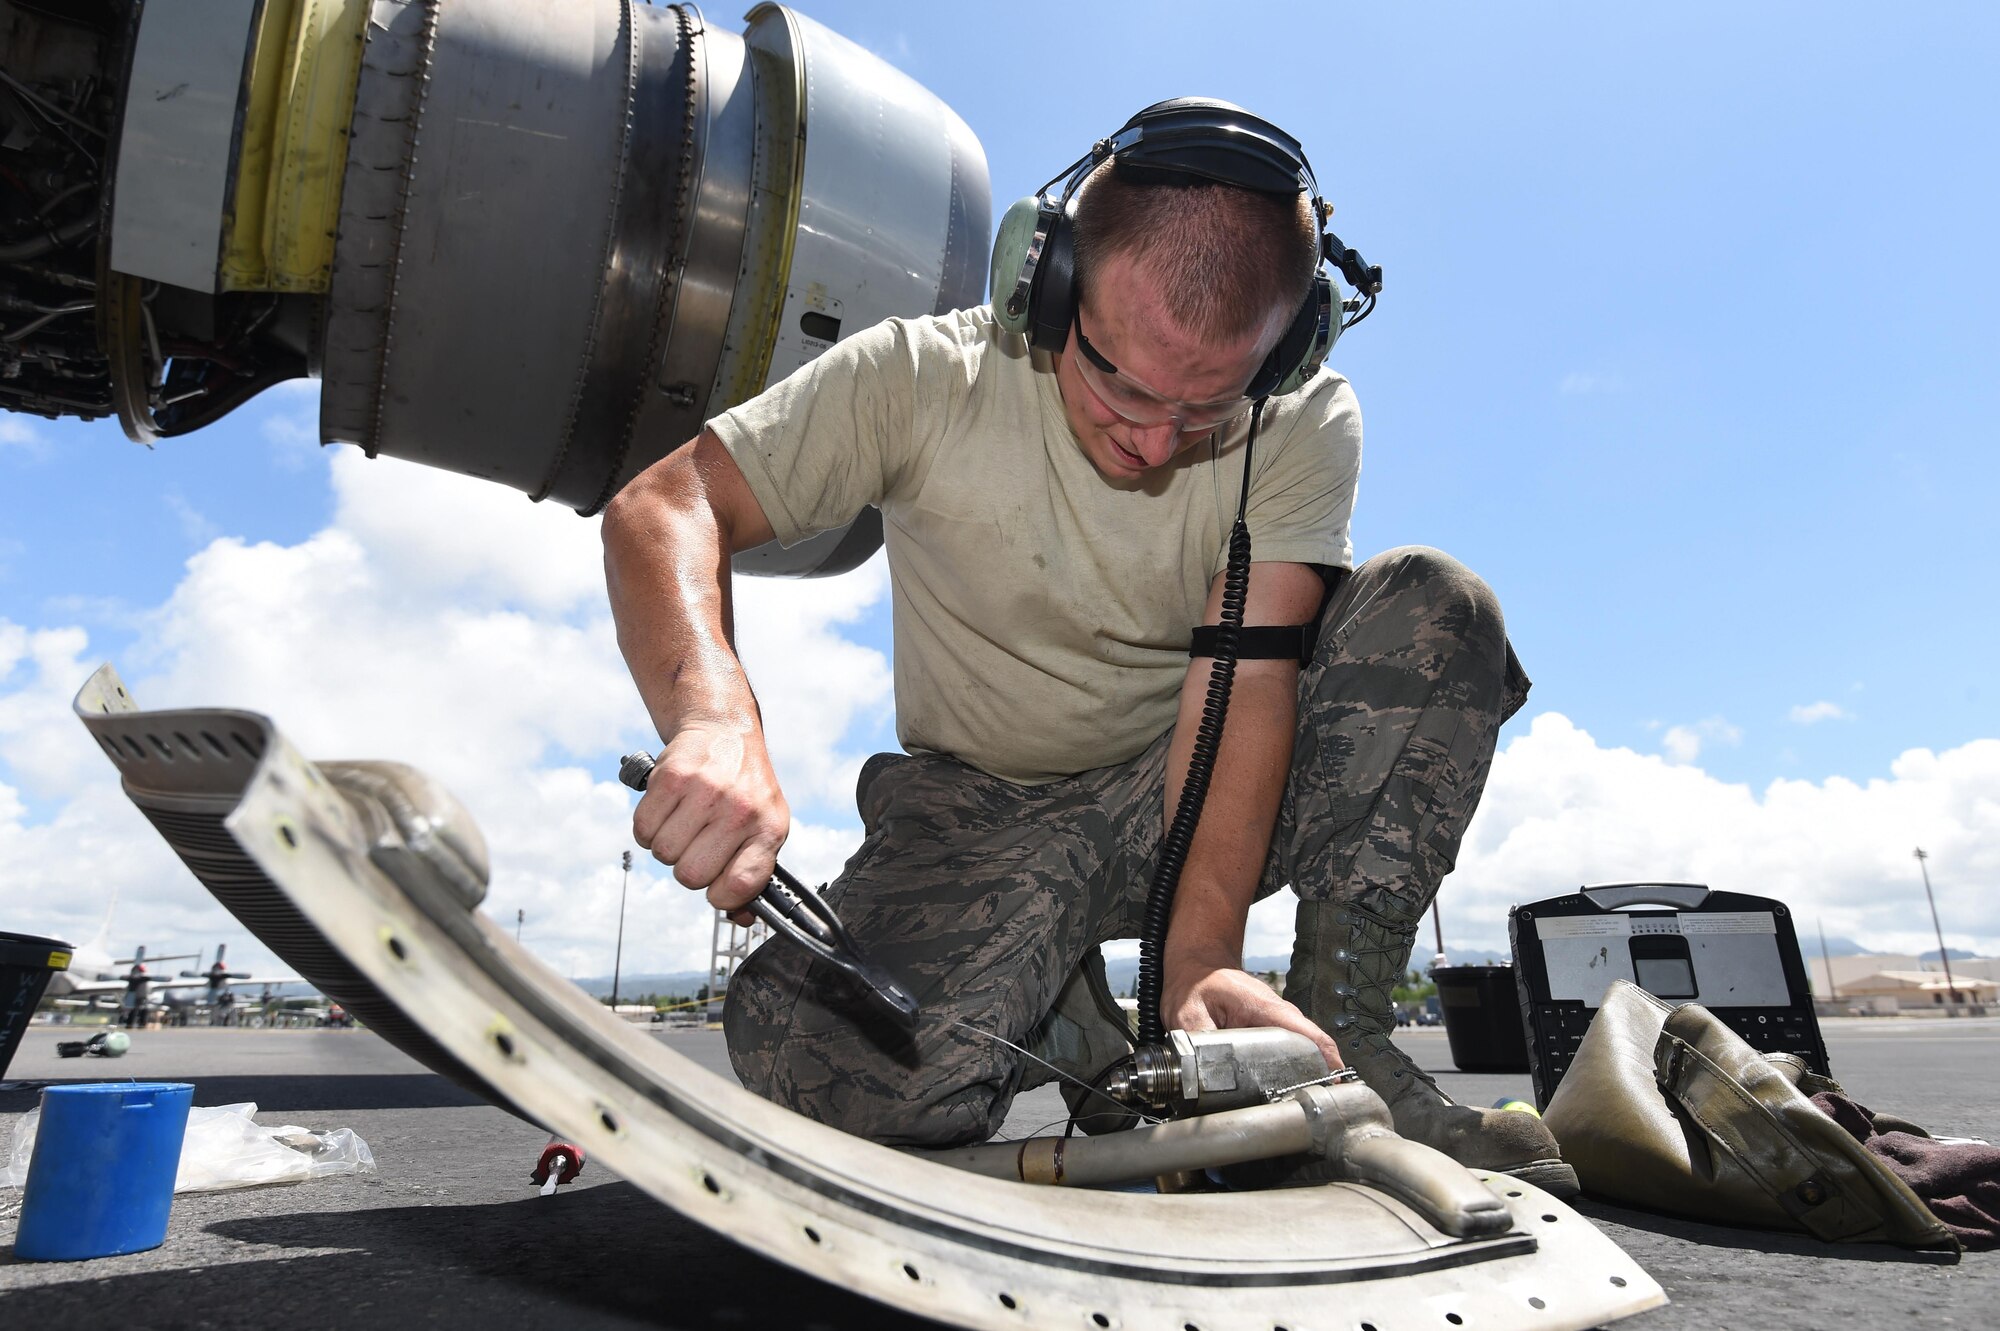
column 967, row 1250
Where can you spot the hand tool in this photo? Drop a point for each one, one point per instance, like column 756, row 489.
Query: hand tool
column 801, row 914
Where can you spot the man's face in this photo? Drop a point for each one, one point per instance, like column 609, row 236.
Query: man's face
column 1127, row 325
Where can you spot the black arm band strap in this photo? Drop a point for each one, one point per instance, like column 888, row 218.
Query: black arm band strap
column 1270, row 642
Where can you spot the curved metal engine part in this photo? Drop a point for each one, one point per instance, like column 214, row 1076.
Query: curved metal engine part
column 278, row 845
column 568, row 231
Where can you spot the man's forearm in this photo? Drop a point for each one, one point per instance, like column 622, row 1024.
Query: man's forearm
column 1203, row 982
column 1226, row 860
column 1233, row 838
column 666, row 565
column 712, row 807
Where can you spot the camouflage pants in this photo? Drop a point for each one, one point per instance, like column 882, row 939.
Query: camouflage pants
column 985, row 896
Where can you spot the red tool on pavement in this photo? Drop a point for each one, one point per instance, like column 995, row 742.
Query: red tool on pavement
column 561, row 1162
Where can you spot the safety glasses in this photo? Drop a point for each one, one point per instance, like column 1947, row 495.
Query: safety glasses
column 1136, row 404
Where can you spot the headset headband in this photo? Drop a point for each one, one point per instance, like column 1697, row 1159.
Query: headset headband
column 1181, row 141
column 1190, row 139
column 1197, row 138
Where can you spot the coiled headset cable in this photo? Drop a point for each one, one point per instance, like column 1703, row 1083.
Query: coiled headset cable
column 1201, row 763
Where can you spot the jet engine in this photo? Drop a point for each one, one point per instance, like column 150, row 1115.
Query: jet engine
column 532, row 241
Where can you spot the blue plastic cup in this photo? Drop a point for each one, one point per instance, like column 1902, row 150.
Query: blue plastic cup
column 102, row 1178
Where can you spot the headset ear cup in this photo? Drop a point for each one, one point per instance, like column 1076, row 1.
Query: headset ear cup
column 1304, row 347
column 1011, row 279
column 1053, row 304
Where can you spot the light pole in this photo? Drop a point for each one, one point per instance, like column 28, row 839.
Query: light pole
column 519, row 917
column 618, row 958
column 1951, row 988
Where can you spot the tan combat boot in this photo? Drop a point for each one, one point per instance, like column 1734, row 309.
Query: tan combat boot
column 1346, row 962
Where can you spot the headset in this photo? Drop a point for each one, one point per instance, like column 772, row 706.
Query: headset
column 1181, row 141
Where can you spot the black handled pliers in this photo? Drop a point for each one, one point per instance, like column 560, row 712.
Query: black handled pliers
column 801, row 914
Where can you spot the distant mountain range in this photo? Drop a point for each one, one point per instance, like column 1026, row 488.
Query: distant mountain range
column 630, row 987
column 1836, row 946
column 1124, row 974
column 1847, row 947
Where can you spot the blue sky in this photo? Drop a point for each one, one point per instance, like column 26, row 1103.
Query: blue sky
column 1688, row 336
column 1687, row 346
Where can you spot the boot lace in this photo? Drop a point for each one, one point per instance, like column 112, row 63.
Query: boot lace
column 1373, row 956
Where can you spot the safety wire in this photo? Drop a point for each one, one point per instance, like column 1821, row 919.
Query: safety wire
column 1122, row 1108
column 1201, row 763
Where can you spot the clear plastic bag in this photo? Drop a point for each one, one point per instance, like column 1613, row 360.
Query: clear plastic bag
column 226, row 1148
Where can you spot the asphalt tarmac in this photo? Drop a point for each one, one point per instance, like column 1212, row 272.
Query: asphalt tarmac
column 450, row 1231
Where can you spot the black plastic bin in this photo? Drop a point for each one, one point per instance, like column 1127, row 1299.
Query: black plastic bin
column 1482, row 1018
column 26, row 963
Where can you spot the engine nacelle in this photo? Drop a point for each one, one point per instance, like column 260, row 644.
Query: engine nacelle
column 532, row 241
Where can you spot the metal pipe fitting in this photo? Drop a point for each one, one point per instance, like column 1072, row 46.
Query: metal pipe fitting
column 1345, row 1125
column 1210, row 1141
column 1203, row 1072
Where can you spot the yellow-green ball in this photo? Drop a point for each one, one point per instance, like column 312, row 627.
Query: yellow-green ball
column 1519, row 1106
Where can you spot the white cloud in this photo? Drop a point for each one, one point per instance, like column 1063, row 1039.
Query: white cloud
column 22, row 437
column 452, row 625
column 41, row 744
column 57, row 876
column 1561, row 810
column 893, row 51
column 1807, row 714
column 812, row 683
column 1577, row 383
column 291, row 423
column 449, row 537
column 195, row 525
column 1683, row 743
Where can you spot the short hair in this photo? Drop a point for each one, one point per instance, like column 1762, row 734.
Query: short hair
column 1224, row 256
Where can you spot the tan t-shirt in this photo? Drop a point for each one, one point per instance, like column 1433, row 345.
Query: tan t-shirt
column 1042, row 612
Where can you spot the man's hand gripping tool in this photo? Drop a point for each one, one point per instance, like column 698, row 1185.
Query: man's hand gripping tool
column 802, row 915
